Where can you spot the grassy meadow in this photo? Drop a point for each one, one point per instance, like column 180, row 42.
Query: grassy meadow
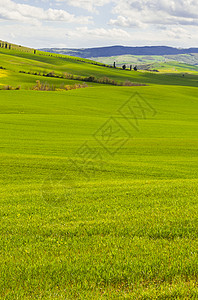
column 98, row 185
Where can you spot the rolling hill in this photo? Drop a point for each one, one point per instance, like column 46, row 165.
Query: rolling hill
column 121, row 50
column 23, row 67
column 142, row 57
column 148, row 61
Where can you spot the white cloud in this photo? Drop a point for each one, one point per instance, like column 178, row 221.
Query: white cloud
column 10, row 10
column 100, row 33
column 48, row 36
column 178, row 33
column 89, row 5
column 41, row 36
column 123, row 21
column 147, row 12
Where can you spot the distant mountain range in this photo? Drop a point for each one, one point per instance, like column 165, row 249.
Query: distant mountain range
column 120, row 50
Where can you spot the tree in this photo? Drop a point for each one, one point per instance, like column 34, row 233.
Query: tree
column 124, row 67
column 114, row 64
column 135, row 68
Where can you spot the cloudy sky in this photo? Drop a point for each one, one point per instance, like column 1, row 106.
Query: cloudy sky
column 90, row 23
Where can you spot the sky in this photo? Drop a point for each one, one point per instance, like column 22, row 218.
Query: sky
column 90, row 23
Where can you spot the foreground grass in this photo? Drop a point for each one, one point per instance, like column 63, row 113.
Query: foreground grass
column 129, row 230
column 123, row 239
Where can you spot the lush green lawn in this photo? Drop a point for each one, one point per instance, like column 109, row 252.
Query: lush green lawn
column 119, row 221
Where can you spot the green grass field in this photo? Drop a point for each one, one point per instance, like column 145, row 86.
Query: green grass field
column 98, row 186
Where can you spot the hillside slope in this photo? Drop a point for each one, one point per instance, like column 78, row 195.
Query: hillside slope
column 24, row 68
column 143, row 61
